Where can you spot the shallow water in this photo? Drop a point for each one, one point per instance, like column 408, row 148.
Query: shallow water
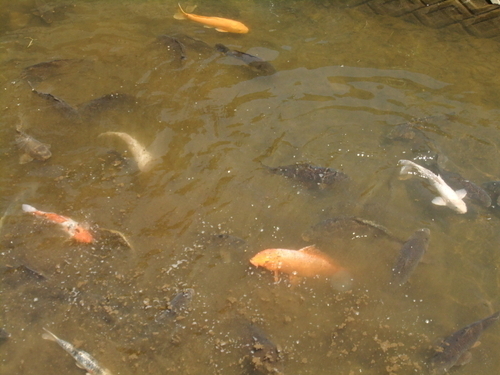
column 344, row 80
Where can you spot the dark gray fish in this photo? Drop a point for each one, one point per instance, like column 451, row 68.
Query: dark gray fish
column 493, row 189
column 477, row 194
column 41, row 71
column 83, row 359
column 4, row 335
column 49, row 12
column 25, row 271
column 59, row 104
column 410, row 255
column 254, row 62
column 175, row 45
column 312, row 177
column 31, row 148
column 345, row 225
column 411, row 134
column 263, row 353
column 455, row 348
column 104, row 103
column 177, row 307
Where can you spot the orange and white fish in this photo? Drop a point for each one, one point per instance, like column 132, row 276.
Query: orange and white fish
column 306, row 262
column 224, row 25
column 74, row 229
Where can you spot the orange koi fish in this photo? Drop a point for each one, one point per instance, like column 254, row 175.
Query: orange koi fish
column 74, row 229
column 306, row 262
column 224, row 25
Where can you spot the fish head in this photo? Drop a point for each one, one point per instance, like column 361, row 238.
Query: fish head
column 81, row 234
column 268, row 258
column 459, row 206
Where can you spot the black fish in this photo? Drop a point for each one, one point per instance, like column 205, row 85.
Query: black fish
column 410, row 133
column 454, row 349
column 410, row 255
column 338, row 226
column 177, row 306
column 309, row 175
column 256, row 63
column 264, row 354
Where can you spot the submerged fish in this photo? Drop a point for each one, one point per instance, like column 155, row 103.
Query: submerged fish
column 254, row 62
column 223, row 25
column 177, row 306
column 46, row 69
column 264, row 354
column 142, row 157
column 306, row 262
column 448, row 197
column 493, row 189
column 105, row 103
column 175, row 45
column 59, row 104
column 345, row 225
column 114, row 237
column 309, row 175
column 31, row 148
column 474, row 192
column 74, row 229
column 410, row 255
column 455, row 348
column 83, row 359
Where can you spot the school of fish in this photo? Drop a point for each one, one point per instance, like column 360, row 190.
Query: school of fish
column 308, row 262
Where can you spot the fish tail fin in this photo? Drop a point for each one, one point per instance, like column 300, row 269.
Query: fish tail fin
column 28, row 208
column 48, row 335
column 180, row 15
column 341, row 281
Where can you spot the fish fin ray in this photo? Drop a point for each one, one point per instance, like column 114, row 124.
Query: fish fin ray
column 25, row 158
column 438, row 201
column 461, row 193
column 28, row 208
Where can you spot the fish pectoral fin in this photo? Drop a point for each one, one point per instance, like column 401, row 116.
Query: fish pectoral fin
column 221, row 30
column 438, row 201
column 461, row 193
column 464, row 359
column 80, row 366
column 25, row 158
column 208, row 27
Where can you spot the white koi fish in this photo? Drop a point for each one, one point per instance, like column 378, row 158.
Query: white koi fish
column 83, row 359
column 141, row 155
column 448, row 197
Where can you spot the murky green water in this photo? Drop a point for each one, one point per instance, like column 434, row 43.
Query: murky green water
column 345, row 79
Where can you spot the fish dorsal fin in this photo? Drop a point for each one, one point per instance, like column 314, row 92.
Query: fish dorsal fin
column 461, row 193
column 313, row 250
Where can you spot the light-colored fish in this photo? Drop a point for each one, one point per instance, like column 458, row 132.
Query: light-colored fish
column 448, row 197
column 142, row 157
column 224, row 25
column 31, row 148
column 306, row 262
column 83, row 359
column 455, row 348
column 74, row 229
